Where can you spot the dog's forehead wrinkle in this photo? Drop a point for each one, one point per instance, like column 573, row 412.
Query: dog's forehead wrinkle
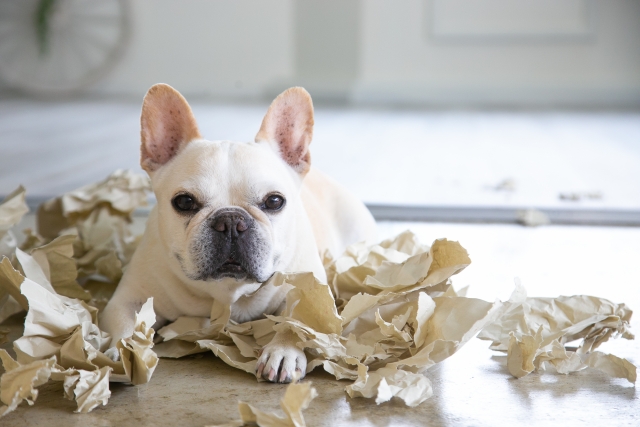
column 242, row 172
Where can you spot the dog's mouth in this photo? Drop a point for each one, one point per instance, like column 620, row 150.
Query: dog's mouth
column 232, row 268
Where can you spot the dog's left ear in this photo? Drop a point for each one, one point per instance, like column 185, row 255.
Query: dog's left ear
column 288, row 128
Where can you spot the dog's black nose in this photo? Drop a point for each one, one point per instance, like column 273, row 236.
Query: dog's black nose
column 230, row 222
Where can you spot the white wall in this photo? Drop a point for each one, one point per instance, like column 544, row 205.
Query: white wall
column 569, row 61
column 428, row 52
column 229, row 49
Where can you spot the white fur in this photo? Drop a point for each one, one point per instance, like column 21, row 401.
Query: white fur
column 318, row 215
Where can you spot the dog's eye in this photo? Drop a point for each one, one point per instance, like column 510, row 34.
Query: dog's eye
column 274, row 202
column 184, row 203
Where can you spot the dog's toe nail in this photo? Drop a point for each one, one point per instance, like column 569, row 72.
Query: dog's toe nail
column 272, row 375
column 259, row 369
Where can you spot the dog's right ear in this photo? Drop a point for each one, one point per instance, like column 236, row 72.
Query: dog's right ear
column 166, row 125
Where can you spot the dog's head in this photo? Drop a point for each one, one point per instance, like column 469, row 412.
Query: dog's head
column 227, row 209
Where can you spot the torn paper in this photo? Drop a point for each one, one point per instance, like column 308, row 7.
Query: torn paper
column 137, row 358
column 399, row 316
column 19, row 381
column 395, row 316
column 56, row 261
column 536, row 332
column 100, row 216
column 11, row 300
column 84, row 238
column 62, row 340
column 390, row 381
column 533, row 217
column 67, row 329
column 387, row 314
column 88, row 388
column 121, row 192
column 296, row 398
column 12, row 209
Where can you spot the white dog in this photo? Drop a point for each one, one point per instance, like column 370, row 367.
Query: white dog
column 229, row 215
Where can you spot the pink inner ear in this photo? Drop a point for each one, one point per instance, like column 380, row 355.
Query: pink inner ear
column 289, row 123
column 167, row 123
column 290, row 133
column 166, row 136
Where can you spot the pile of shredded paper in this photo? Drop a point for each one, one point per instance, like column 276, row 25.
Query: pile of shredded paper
column 388, row 313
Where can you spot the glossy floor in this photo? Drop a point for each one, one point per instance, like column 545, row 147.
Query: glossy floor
column 472, row 388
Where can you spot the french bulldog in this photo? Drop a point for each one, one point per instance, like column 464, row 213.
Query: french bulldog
column 228, row 215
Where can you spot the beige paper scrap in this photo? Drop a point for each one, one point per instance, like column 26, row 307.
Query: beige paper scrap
column 64, row 331
column 56, row 261
column 389, row 381
column 534, row 334
column 296, row 399
column 122, row 192
column 12, row 209
column 88, row 388
column 100, row 215
column 138, row 359
column 19, row 381
column 390, row 329
column 18, row 384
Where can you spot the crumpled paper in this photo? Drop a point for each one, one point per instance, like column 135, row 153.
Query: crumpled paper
column 88, row 388
column 387, row 314
column 12, row 209
column 533, row 217
column 84, row 237
column 390, row 313
column 536, row 332
column 100, row 215
column 19, row 381
column 62, row 342
column 296, row 398
column 398, row 316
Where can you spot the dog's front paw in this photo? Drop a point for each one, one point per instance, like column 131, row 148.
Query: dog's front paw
column 113, row 354
column 279, row 361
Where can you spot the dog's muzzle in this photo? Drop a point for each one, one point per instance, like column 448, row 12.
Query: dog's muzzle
column 230, row 226
column 231, row 246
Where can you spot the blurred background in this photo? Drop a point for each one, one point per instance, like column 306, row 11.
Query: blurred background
column 468, row 116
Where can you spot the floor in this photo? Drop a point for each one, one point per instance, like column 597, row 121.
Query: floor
column 472, row 388
column 528, row 159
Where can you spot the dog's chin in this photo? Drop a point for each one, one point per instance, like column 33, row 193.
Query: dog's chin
column 234, row 271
